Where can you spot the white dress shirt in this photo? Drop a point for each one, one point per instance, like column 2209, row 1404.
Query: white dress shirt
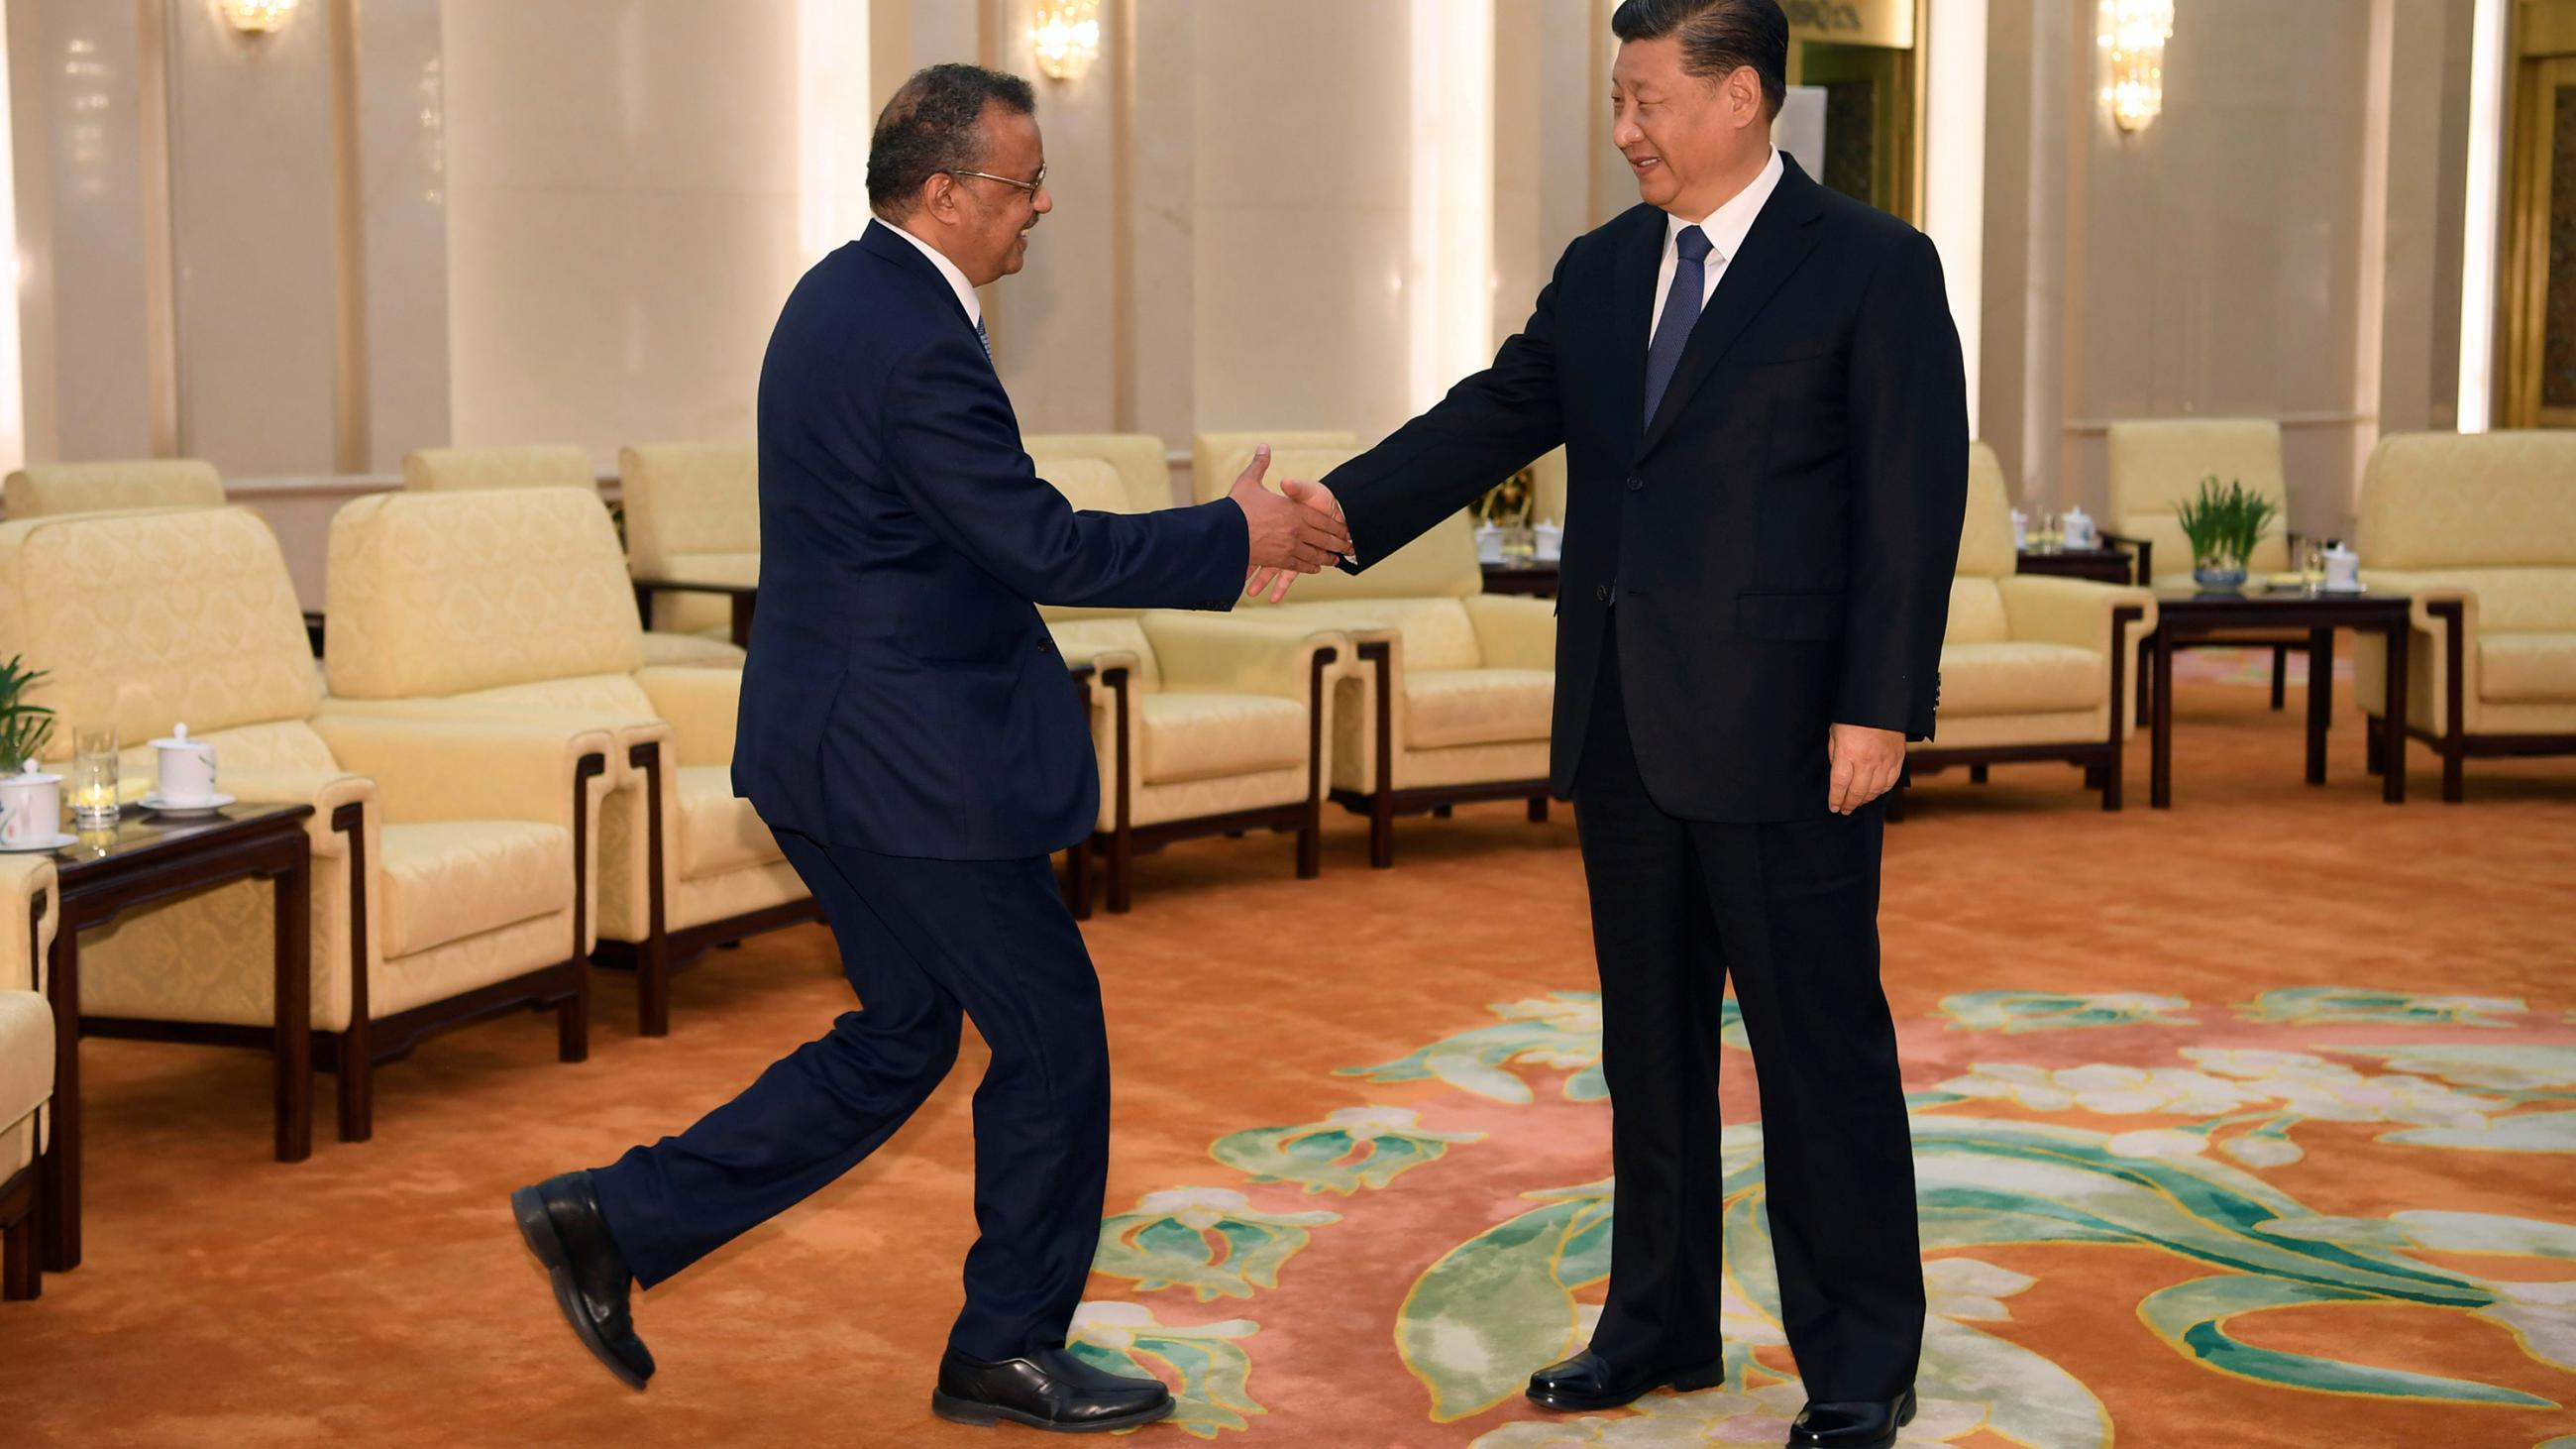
column 957, row 280
column 1725, row 229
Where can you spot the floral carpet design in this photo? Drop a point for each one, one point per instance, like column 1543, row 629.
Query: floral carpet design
column 2108, row 1183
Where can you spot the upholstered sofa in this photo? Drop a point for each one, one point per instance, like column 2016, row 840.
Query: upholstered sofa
column 46, row 490
column 2157, row 465
column 693, row 516
column 554, row 465
column 1203, row 725
column 27, row 918
column 1452, row 695
column 2479, row 530
column 2032, row 667
column 516, row 604
column 451, row 861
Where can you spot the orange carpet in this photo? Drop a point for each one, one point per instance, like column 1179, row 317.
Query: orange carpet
column 2248, row 1123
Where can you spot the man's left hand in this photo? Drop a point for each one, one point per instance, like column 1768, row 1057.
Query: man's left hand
column 1865, row 762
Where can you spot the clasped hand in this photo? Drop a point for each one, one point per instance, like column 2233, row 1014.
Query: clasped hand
column 1301, row 533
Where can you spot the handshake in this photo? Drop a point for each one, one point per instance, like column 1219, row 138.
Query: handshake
column 1301, row 533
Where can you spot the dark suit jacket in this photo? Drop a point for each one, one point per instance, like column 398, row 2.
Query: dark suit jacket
column 902, row 695
column 1779, row 540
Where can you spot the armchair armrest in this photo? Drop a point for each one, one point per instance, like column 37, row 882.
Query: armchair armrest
column 631, row 732
column 700, row 705
column 2047, row 609
column 1224, row 654
column 2425, row 593
column 2141, row 549
column 474, row 769
column 1513, row 632
column 28, row 916
column 328, row 791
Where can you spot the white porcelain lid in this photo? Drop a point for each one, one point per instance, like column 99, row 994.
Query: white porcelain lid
column 178, row 739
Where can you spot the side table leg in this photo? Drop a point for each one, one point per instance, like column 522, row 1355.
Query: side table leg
column 295, row 1003
column 2393, row 783
column 2321, row 652
column 2160, row 743
column 61, row 1179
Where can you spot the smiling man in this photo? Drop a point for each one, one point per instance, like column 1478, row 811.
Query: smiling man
column 910, row 735
column 1760, row 394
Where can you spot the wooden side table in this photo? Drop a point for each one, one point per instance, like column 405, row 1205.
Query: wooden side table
column 2185, row 615
column 745, row 597
column 2102, row 565
column 1531, row 579
column 144, row 860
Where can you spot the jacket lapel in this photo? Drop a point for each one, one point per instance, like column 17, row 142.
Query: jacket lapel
column 1779, row 241
column 1632, row 296
column 878, row 240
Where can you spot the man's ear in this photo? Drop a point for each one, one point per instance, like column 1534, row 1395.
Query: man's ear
column 939, row 196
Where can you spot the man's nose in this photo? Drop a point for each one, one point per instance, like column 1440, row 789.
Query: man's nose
column 1624, row 133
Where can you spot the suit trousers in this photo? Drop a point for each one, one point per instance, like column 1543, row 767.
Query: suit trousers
column 924, row 943
column 1789, row 909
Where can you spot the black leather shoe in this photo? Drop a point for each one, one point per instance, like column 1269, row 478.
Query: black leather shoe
column 1049, row 1389
column 1588, row 1381
column 561, row 1220
column 1861, row 1424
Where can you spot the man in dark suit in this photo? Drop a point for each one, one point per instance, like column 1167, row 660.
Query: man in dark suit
column 909, row 733
column 1760, row 392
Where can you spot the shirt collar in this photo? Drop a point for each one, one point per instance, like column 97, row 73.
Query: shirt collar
column 1727, row 227
column 956, row 279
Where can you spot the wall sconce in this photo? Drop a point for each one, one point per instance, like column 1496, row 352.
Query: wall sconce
column 2133, row 34
column 1066, row 36
column 256, row 17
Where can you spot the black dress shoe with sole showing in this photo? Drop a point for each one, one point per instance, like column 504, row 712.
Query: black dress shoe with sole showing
column 1049, row 1389
column 563, row 1226
column 1860, row 1424
column 1588, row 1381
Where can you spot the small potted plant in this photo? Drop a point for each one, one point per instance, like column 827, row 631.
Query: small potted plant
column 24, row 727
column 2223, row 525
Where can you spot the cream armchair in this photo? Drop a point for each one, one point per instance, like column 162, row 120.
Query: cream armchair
column 515, row 604
column 27, row 918
column 2157, row 466
column 2479, row 531
column 1215, row 458
column 1202, row 725
column 46, row 490
column 692, row 516
column 2033, row 667
column 554, row 465
column 1452, row 695
column 451, row 862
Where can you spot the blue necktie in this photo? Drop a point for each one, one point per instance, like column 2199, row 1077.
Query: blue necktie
column 984, row 337
column 1681, row 309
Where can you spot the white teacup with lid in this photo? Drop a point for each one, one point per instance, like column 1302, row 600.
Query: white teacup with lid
column 2343, row 569
column 31, row 808
column 187, row 769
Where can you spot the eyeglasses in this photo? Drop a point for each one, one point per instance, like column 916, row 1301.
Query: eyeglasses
column 1031, row 187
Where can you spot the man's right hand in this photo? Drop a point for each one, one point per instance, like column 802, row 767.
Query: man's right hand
column 1292, row 538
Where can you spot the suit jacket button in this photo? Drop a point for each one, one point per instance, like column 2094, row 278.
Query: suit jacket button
column 1636, row 482
column 1601, row 592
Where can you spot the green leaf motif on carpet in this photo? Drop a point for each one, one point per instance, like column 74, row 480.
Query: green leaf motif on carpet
column 1502, row 1303
column 1210, row 1240
column 2017, row 1011
column 1214, row 1372
column 1351, row 1149
column 1561, row 1030
column 2356, row 1006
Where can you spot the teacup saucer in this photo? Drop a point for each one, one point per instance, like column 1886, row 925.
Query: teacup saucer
column 33, row 846
column 158, row 806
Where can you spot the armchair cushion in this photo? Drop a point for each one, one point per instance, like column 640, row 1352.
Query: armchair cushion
column 2484, row 501
column 449, row 880
column 717, row 831
column 442, row 593
column 1513, row 633
column 40, row 489
column 693, row 651
column 475, row 469
column 1438, row 633
column 150, row 618
column 2527, row 668
column 26, row 1066
column 701, row 706
column 2022, row 678
column 1144, row 476
column 1447, row 707
column 1201, row 736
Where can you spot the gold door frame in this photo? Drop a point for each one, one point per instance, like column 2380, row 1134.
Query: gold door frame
column 2543, row 65
column 1898, row 26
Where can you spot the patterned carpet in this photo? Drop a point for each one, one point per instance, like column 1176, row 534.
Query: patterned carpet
column 2248, row 1123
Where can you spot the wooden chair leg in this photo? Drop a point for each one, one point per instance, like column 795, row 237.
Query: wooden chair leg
column 2374, row 753
column 1382, row 829
column 1976, row 774
column 2280, row 676
column 653, row 986
column 572, row 1018
column 1538, row 810
column 2454, row 759
column 1122, row 870
column 357, row 1074
column 1077, row 879
column 22, row 1268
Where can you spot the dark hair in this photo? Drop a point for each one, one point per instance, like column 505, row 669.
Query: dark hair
column 934, row 124
column 1717, row 36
